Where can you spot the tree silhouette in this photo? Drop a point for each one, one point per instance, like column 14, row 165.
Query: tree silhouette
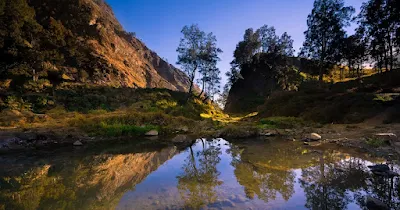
column 325, row 31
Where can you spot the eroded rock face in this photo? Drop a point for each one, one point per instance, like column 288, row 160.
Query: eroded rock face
column 135, row 64
column 109, row 54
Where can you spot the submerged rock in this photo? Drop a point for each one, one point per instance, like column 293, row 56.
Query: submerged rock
column 383, row 170
column 152, row 133
column 379, row 168
column 313, row 144
column 78, row 143
column 375, row 204
column 184, row 129
column 180, row 139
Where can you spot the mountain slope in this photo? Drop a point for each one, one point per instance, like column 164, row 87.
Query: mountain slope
column 80, row 41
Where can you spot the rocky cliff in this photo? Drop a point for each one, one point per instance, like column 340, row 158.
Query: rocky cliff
column 75, row 41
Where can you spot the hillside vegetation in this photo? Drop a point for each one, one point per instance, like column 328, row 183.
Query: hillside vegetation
column 343, row 102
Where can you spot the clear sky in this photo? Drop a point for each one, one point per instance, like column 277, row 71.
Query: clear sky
column 158, row 22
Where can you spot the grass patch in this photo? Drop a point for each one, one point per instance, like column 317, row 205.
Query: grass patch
column 129, row 124
column 383, row 97
column 115, row 130
column 281, row 122
column 375, row 142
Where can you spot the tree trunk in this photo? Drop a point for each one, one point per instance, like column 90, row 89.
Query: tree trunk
column 390, row 50
column 385, row 55
column 202, row 90
column 190, row 88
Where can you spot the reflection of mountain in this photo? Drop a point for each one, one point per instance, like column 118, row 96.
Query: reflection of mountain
column 91, row 182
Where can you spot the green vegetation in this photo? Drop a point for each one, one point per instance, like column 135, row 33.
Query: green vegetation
column 375, row 142
column 198, row 53
column 282, row 122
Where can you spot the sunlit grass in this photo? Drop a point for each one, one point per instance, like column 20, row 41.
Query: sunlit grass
column 225, row 118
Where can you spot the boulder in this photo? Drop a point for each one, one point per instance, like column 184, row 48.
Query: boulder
column 78, row 143
column 152, row 133
column 315, row 137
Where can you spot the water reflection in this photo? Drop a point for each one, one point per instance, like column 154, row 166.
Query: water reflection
column 199, row 176
column 264, row 171
column 211, row 174
column 77, row 179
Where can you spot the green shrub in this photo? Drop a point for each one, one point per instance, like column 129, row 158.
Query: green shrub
column 115, row 130
column 375, row 142
column 281, row 122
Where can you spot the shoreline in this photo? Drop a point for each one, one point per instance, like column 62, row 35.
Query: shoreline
column 358, row 136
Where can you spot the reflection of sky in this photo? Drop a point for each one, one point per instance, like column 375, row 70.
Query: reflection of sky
column 159, row 189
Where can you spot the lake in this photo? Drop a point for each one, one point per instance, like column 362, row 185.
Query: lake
column 210, row 174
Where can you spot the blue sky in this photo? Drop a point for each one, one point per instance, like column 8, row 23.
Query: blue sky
column 158, row 22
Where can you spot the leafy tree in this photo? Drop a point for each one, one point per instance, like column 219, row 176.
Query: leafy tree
column 190, row 51
column 208, row 70
column 197, row 52
column 285, row 45
column 325, row 31
column 269, row 39
column 354, row 51
column 379, row 20
column 246, row 49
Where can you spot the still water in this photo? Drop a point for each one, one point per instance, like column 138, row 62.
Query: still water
column 211, row 174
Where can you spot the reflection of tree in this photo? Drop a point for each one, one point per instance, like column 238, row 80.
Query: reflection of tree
column 264, row 171
column 328, row 184
column 200, row 175
column 384, row 189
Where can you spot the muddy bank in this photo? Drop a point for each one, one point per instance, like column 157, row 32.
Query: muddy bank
column 379, row 140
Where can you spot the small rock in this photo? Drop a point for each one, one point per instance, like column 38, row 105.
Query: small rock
column 78, row 143
column 184, row 129
column 152, row 133
column 375, row 204
column 315, row 137
column 180, row 138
